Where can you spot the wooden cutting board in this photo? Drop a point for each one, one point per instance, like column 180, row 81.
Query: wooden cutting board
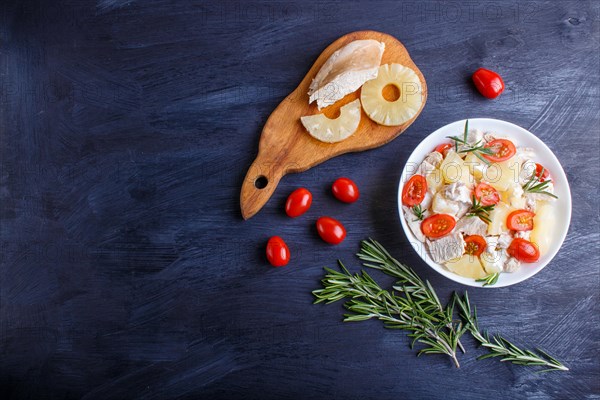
column 286, row 147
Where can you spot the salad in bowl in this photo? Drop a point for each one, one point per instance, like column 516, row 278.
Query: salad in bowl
column 482, row 205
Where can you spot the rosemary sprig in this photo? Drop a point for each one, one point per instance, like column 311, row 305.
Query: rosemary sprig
column 374, row 255
column 489, row 280
column 501, row 347
column 478, row 210
column 414, row 306
column 418, row 213
column 368, row 300
column 534, row 185
column 477, row 149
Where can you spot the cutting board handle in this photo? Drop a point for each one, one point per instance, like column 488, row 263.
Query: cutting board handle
column 260, row 182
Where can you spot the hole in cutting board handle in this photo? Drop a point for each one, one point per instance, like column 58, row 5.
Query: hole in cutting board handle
column 261, row 182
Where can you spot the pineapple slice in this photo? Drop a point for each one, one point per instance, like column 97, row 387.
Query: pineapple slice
column 334, row 130
column 468, row 266
column 543, row 227
column 492, row 258
column 498, row 217
column 492, row 262
column 502, row 175
column 392, row 113
column 454, row 169
column 475, row 165
column 434, row 181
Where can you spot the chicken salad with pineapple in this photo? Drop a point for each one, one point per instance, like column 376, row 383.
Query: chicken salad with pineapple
column 480, row 204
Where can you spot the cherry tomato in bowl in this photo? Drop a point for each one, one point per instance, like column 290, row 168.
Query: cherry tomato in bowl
column 278, row 253
column 502, row 150
column 475, row 245
column 523, row 250
column 486, row 194
column 298, row 202
column 438, row 225
column 441, row 148
column 345, row 190
column 542, row 173
column 520, row 220
column 488, row 82
column 414, row 191
column 331, row 230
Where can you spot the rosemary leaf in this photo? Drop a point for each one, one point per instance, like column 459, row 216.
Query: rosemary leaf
column 418, row 213
column 534, row 185
column 483, row 212
column 477, row 149
column 365, row 299
column 414, row 306
column 489, row 280
column 501, row 347
column 375, row 256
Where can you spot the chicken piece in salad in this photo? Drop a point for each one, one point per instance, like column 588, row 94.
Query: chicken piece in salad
column 481, row 205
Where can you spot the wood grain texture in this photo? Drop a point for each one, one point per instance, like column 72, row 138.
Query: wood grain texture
column 126, row 130
column 285, row 146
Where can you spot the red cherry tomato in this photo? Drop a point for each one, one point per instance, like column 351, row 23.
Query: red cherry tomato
column 520, row 220
column 523, row 250
column 502, row 149
column 414, row 191
column 489, row 83
column 486, row 194
column 331, row 230
column 298, row 202
column 475, row 245
column 437, row 225
column 542, row 176
column 345, row 190
column 441, row 148
column 278, row 253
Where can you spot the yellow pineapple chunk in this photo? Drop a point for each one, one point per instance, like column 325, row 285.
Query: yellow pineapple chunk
column 468, row 266
column 498, row 218
column 475, row 165
column 513, row 196
column 490, row 263
column 453, row 169
column 543, row 227
column 434, row 181
column 502, row 175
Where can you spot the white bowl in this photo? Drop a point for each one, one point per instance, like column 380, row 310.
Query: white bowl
column 544, row 156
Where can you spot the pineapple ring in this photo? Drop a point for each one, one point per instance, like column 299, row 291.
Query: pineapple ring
column 397, row 112
column 334, row 130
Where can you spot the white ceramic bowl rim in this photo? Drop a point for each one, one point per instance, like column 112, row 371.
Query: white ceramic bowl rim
column 544, row 156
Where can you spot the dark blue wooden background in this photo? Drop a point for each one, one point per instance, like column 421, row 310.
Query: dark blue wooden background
column 126, row 268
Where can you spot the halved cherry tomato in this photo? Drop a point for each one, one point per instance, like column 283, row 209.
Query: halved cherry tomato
column 278, row 253
column 486, row 194
column 489, row 83
column 520, row 220
column 443, row 147
column 475, row 245
column 414, row 191
column 437, row 225
column 298, row 202
column 503, row 149
column 345, row 190
column 331, row 230
column 523, row 250
column 538, row 172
